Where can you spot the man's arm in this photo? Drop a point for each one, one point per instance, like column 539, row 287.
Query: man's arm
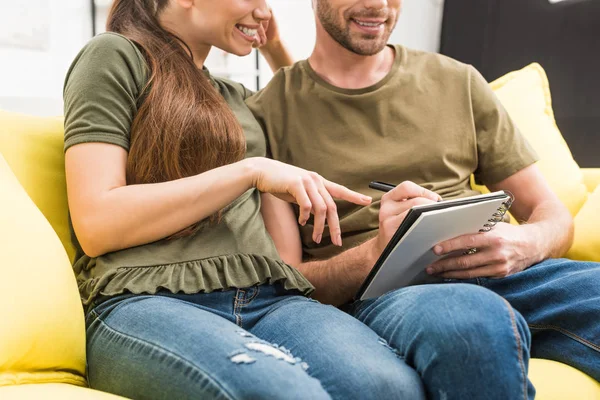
column 337, row 279
column 546, row 231
column 539, row 211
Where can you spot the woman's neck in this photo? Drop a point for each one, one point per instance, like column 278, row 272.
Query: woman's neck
column 199, row 52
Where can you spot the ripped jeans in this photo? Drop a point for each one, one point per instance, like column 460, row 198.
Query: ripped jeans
column 256, row 343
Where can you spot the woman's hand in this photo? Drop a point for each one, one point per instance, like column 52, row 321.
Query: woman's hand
column 271, row 46
column 313, row 194
column 267, row 32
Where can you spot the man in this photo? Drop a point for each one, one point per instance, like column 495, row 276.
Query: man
column 358, row 110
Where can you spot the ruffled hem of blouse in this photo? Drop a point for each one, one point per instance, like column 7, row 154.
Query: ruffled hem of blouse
column 205, row 275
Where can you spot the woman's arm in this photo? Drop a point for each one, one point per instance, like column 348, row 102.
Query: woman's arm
column 276, row 55
column 281, row 224
column 109, row 215
column 271, row 47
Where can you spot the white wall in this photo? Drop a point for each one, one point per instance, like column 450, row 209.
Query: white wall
column 31, row 80
column 420, row 25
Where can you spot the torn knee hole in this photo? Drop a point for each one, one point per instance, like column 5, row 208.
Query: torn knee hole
column 271, row 350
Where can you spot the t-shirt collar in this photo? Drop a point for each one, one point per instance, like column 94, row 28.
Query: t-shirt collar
column 399, row 55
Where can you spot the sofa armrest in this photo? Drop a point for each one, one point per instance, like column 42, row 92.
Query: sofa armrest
column 591, row 178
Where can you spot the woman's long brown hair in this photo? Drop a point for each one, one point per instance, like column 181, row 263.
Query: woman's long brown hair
column 183, row 126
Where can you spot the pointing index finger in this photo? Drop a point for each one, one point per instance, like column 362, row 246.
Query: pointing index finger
column 343, row 193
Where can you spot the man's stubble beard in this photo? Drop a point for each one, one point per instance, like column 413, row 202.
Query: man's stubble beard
column 364, row 46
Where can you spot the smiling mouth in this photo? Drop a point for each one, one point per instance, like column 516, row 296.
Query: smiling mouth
column 251, row 32
column 368, row 24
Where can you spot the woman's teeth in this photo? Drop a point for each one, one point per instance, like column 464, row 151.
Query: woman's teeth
column 247, row 31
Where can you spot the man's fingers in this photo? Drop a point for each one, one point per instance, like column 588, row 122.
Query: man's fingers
column 343, row 193
column 477, row 240
column 391, row 208
column 486, row 271
column 392, row 223
column 459, row 263
column 409, row 190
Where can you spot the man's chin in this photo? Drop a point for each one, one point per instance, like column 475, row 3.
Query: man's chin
column 366, row 48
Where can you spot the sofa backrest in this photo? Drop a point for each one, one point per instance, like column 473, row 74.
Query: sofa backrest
column 42, row 332
column 33, row 147
column 526, row 96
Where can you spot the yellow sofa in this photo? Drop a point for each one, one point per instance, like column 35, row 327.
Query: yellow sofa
column 42, row 338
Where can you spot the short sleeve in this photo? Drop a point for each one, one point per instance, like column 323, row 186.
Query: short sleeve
column 266, row 106
column 254, row 105
column 101, row 91
column 501, row 148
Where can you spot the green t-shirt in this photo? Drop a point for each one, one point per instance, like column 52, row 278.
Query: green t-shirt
column 101, row 95
column 431, row 120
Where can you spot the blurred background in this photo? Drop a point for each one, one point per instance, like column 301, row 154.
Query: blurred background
column 40, row 38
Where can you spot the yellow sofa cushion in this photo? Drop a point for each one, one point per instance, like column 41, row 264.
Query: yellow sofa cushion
column 591, row 178
column 53, row 391
column 586, row 244
column 42, row 333
column 33, row 147
column 556, row 381
column 526, row 96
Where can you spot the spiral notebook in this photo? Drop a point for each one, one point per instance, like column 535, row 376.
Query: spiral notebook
column 410, row 250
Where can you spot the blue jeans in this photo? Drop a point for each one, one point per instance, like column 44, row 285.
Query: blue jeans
column 473, row 339
column 219, row 346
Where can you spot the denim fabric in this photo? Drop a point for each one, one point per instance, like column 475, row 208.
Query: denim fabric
column 471, row 339
column 466, row 342
column 560, row 300
column 255, row 343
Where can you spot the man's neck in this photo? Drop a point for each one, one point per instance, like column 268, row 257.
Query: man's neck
column 344, row 69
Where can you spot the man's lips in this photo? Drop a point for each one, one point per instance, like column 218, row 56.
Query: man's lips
column 371, row 25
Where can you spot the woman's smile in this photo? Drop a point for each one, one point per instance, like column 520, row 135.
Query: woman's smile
column 248, row 32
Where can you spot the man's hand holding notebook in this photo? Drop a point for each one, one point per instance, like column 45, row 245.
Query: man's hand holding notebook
column 420, row 227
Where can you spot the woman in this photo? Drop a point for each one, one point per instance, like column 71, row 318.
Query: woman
column 183, row 287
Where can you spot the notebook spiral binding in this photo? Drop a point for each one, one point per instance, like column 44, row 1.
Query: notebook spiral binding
column 498, row 216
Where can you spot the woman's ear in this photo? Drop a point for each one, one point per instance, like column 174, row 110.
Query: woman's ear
column 187, row 4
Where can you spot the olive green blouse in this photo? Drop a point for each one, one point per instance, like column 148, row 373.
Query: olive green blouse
column 101, row 94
